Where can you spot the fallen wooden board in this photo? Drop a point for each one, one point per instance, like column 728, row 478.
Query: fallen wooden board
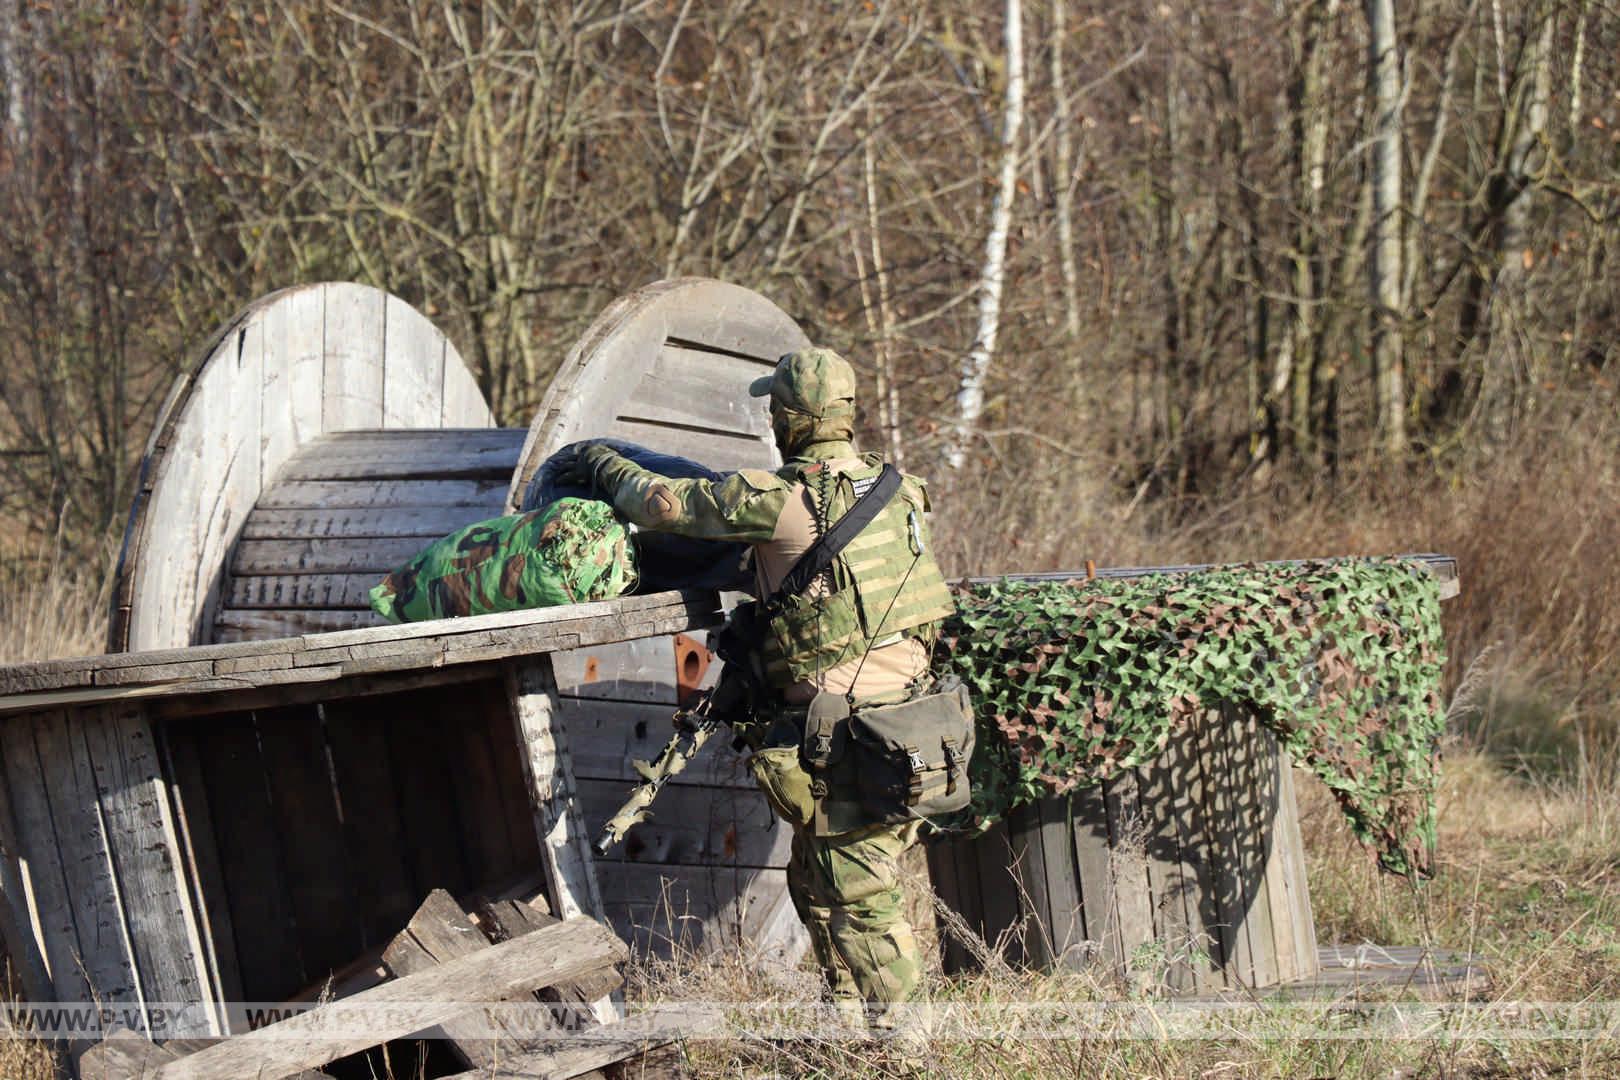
column 129, row 1055
column 566, row 950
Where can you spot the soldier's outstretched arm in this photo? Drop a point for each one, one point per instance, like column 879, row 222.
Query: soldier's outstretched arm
column 744, row 506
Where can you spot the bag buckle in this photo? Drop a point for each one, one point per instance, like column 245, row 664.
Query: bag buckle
column 914, row 759
column 952, row 760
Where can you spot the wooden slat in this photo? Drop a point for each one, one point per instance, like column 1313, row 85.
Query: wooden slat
column 317, row 865
column 17, row 936
column 250, row 853
column 1128, row 835
column 483, row 495
column 657, row 908
column 608, row 736
column 356, row 651
column 543, row 748
column 344, row 523
column 1229, row 878
column 685, row 386
column 642, row 670
column 546, row 956
column 244, row 625
column 1002, row 907
column 1253, row 807
column 1167, row 873
column 319, row 592
column 46, row 898
column 1266, row 757
column 718, row 450
column 188, row 794
column 413, row 368
column 493, row 848
column 1190, row 774
column 375, row 555
column 1089, row 843
column 429, row 817
column 374, row 839
column 438, row 932
column 104, row 949
column 1033, row 944
column 1066, row 919
column 290, row 402
column 1286, row 838
column 143, row 851
column 352, row 347
column 691, row 826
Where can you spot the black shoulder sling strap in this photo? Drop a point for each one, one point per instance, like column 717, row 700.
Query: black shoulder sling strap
column 820, row 555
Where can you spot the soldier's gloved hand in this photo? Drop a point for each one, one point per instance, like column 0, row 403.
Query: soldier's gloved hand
column 592, row 457
column 569, row 463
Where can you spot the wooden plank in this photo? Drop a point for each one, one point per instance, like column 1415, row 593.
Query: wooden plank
column 503, row 920
column 580, row 1057
column 482, row 495
column 1190, row 775
column 1167, row 875
column 324, row 522
column 1001, row 900
column 439, row 932
column 1221, row 792
column 124, row 1055
column 376, row 555
column 462, row 403
column 227, row 410
column 352, row 349
column 160, row 611
column 41, row 936
column 543, row 748
column 428, row 818
column 718, row 450
column 642, row 670
column 321, row 592
column 607, row 736
column 685, row 386
column 341, row 654
column 1066, row 926
column 146, row 862
column 104, row 948
column 1266, row 758
column 1027, row 866
column 409, row 1004
column 1253, row 807
column 369, row 799
column 1128, row 838
column 188, row 794
column 267, row 624
column 691, row 826
column 318, row 867
column 1291, row 847
column 250, row 854
column 659, row 909
column 1089, row 841
column 413, row 368
column 290, row 399
column 492, row 851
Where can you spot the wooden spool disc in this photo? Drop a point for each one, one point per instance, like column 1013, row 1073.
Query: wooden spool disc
column 668, row 366
column 283, row 372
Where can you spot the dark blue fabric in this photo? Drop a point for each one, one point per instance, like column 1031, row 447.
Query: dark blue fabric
column 664, row 561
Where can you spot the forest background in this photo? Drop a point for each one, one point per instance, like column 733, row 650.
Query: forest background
column 1168, row 281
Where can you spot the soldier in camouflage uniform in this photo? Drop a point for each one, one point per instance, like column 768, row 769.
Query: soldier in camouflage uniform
column 863, row 630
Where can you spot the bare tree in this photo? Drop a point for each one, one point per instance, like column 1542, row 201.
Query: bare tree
column 1384, row 265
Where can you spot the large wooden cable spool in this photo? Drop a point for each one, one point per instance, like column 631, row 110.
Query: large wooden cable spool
column 247, row 449
column 668, row 367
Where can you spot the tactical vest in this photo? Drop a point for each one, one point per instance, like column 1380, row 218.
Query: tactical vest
column 885, row 584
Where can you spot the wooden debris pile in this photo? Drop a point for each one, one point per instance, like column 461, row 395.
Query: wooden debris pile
column 440, row 978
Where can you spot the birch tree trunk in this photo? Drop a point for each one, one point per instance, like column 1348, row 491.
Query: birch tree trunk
column 1384, row 265
column 1064, row 180
column 970, row 395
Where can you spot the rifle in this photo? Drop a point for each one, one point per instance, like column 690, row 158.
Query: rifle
column 724, row 703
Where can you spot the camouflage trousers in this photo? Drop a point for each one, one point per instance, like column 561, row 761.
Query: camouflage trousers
column 846, row 889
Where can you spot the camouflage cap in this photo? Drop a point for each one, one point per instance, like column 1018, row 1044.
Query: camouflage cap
column 816, row 382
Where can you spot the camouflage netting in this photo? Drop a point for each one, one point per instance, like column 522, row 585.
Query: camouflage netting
column 569, row 552
column 1342, row 659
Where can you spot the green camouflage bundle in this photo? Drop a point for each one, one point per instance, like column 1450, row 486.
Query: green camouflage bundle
column 567, row 552
column 1076, row 679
